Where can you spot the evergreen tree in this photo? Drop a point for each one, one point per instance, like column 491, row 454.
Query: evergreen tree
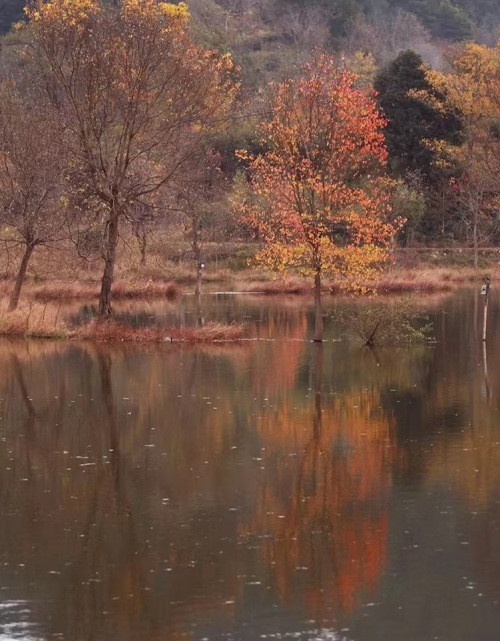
column 411, row 121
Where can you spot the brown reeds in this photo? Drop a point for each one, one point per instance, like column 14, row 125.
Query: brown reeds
column 393, row 282
column 290, row 285
column 47, row 321
column 110, row 330
column 396, row 281
column 408, row 281
column 88, row 291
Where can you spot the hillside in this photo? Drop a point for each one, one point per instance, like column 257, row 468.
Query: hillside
column 268, row 37
column 267, row 34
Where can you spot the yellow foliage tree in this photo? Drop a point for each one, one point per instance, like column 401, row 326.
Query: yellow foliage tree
column 363, row 65
column 471, row 87
column 131, row 89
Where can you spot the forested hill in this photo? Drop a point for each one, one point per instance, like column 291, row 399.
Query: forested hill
column 446, row 19
column 268, row 36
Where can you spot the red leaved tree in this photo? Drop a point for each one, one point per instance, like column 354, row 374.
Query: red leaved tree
column 321, row 202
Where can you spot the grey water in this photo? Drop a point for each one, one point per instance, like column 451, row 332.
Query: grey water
column 271, row 489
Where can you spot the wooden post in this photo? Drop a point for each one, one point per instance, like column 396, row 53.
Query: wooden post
column 485, row 291
column 486, row 377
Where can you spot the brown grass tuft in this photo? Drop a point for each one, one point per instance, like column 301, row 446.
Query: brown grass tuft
column 61, row 291
column 111, row 330
column 209, row 333
column 290, row 285
column 47, row 321
column 87, row 291
column 172, row 291
column 122, row 290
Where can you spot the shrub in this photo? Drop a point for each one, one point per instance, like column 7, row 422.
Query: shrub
column 387, row 322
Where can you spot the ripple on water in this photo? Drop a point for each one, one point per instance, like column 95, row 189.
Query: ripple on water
column 14, row 622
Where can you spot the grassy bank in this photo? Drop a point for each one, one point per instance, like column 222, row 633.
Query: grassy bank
column 251, row 281
column 48, row 321
column 395, row 281
column 110, row 330
column 414, row 270
column 60, row 290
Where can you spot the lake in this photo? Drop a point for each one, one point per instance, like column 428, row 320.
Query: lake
column 271, row 489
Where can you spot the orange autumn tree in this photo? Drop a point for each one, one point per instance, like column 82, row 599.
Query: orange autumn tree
column 322, row 200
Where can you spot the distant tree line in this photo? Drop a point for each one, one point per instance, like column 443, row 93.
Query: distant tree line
column 446, row 19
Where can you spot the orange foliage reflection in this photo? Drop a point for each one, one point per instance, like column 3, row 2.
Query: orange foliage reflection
column 320, row 513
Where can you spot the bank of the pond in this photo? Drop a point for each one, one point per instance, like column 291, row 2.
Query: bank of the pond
column 122, row 290
column 398, row 280
column 17, row 325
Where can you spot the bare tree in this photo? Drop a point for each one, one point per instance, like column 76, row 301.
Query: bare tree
column 306, row 28
column 31, row 178
column 198, row 201
column 142, row 216
column 387, row 35
column 478, row 202
column 130, row 86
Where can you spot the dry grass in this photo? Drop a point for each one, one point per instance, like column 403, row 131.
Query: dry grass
column 89, row 291
column 429, row 281
column 47, row 321
column 122, row 290
column 110, row 330
column 289, row 285
column 60, row 274
column 251, row 282
column 161, row 279
column 33, row 319
column 393, row 282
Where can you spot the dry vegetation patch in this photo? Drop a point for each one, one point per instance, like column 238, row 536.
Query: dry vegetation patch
column 38, row 320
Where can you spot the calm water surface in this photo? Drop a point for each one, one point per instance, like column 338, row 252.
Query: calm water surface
column 269, row 490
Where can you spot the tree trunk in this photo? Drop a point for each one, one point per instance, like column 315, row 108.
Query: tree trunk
column 486, row 377
column 21, row 276
column 199, row 276
column 142, row 247
column 475, row 240
column 109, row 264
column 318, row 310
column 197, row 256
column 199, row 315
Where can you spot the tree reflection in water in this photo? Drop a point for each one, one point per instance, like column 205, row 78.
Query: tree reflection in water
column 165, row 492
column 321, row 519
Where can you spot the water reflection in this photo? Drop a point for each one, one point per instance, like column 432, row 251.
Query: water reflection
column 321, row 515
column 270, row 488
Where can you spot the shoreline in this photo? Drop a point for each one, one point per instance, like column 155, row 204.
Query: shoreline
column 44, row 306
column 396, row 281
column 111, row 331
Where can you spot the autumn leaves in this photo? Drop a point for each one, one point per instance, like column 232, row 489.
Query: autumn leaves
column 322, row 199
column 133, row 101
